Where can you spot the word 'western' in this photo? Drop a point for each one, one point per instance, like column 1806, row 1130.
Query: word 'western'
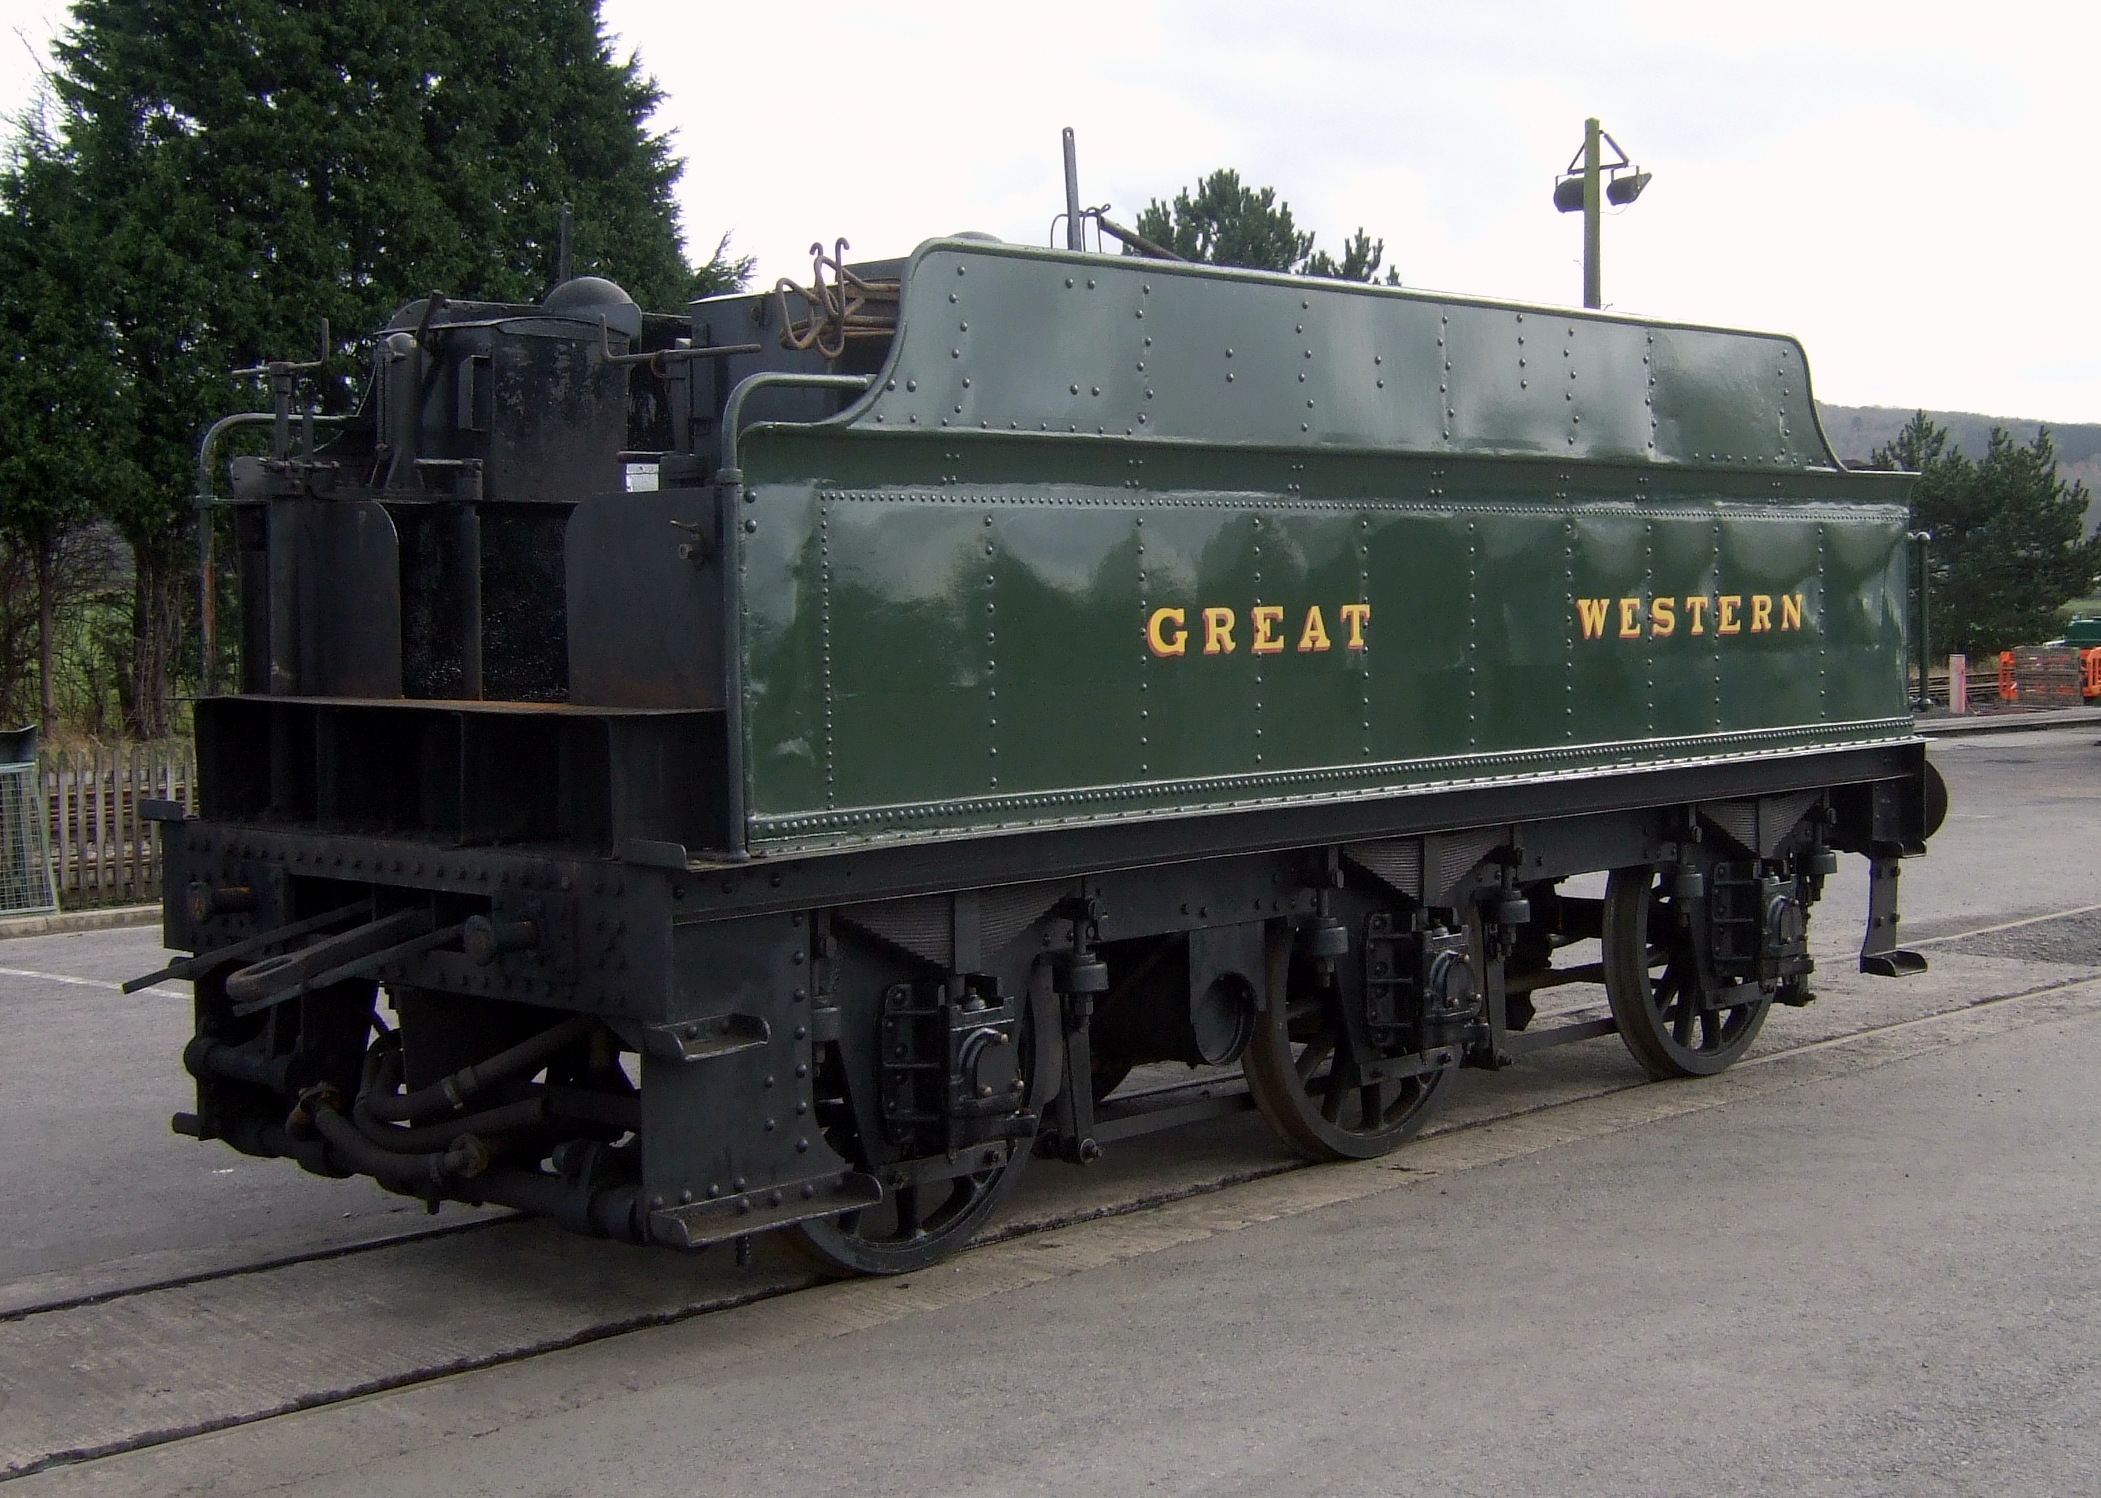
column 1659, row 618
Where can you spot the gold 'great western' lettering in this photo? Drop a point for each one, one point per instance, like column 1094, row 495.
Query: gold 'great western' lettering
column 1266, row 629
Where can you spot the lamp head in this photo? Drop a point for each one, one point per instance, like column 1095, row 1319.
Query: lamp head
column 1621, row 191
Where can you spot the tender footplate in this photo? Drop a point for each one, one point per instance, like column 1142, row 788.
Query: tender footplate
column 702, row 1224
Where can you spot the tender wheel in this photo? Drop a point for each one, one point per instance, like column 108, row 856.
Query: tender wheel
column 1676, row 1020
column 1297, row 1067
column 916, row 1225
column 912, row 1226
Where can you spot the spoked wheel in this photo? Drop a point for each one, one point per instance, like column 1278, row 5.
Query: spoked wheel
column 1297, row 1067
column 913, row 1225
column 1675, row 1018
column 918, row 1223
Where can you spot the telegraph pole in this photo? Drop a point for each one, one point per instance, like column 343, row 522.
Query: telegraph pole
column 1586, row 186
column 1593, row 216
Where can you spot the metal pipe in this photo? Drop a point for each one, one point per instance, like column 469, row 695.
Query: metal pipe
column 207, row 591
column 253, row 1136
column 449, row 1093
column 411, row 1139
column 204, row 1058
column 1138, row 241
column 733, row 412
column 729, row 491
column 1075, row 227
column 466, row 550
column 434, row 1170
column 615, row 1212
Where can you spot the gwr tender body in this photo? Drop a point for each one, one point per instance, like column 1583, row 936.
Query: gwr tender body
column 1028, row 666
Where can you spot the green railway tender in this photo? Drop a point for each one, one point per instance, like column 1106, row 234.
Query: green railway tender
column 789, row 763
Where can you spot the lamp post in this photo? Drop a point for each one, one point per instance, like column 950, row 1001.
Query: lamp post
column 1588, row 183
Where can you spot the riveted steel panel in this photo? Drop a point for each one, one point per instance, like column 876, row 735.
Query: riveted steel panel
column 1009, row 338
column 1058, row 567
column 998, row 657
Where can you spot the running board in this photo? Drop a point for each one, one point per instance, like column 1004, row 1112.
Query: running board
column 1130, row 1122
column 1523, row 1042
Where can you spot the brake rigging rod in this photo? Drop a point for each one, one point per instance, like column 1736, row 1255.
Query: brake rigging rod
column 357, row 967
column 204, row 962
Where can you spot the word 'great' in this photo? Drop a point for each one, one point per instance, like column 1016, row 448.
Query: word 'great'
column 1167, row 632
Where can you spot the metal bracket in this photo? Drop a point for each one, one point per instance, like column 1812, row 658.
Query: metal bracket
column 650, row 854
column 1879, row 953
column 699, row 1039
column 704, row 1223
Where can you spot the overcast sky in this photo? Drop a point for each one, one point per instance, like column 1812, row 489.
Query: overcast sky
column 1909, row 188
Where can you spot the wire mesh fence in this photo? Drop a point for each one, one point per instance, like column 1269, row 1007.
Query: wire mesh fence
column 103, row 852
column 26, row 884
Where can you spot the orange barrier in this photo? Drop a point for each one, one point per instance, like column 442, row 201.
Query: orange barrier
column 2089, row 674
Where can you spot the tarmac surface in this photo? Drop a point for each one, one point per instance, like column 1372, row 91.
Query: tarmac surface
column 1865, row 1260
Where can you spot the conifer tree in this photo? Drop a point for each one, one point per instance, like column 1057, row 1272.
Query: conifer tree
column 61, row 399
column 2008, row 546
column 246, row 168
column 1226, row 222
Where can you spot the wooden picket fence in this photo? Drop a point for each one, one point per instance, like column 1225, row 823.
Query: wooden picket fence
column 102, row 851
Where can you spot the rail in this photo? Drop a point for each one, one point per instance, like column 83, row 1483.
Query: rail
column 733, row 411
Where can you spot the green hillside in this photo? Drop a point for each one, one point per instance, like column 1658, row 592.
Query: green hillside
column 1856, row 431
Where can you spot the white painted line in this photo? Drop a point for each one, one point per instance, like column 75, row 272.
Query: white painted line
column 2033, row 920
column 23, row 972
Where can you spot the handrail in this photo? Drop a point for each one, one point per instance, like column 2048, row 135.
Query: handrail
column 729, row 486
column 207, row 589
column 733, row 411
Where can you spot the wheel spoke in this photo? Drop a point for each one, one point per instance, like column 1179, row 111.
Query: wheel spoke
column 908, row 1219
column 1333, row 1095
column 1305, row 1070
column 1316, row 1051
column 1668, row 1019
column 918, row 1222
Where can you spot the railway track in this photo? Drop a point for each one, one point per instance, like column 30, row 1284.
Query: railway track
column 147, row 1365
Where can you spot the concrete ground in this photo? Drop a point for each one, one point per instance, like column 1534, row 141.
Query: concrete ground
column 1865, row 1261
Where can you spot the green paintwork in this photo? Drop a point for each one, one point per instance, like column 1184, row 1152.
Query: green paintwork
column 945, row 626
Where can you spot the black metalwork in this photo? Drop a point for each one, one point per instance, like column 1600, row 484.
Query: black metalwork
column 479, row 907
column 1318, row 1078
column 1679, row 1016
